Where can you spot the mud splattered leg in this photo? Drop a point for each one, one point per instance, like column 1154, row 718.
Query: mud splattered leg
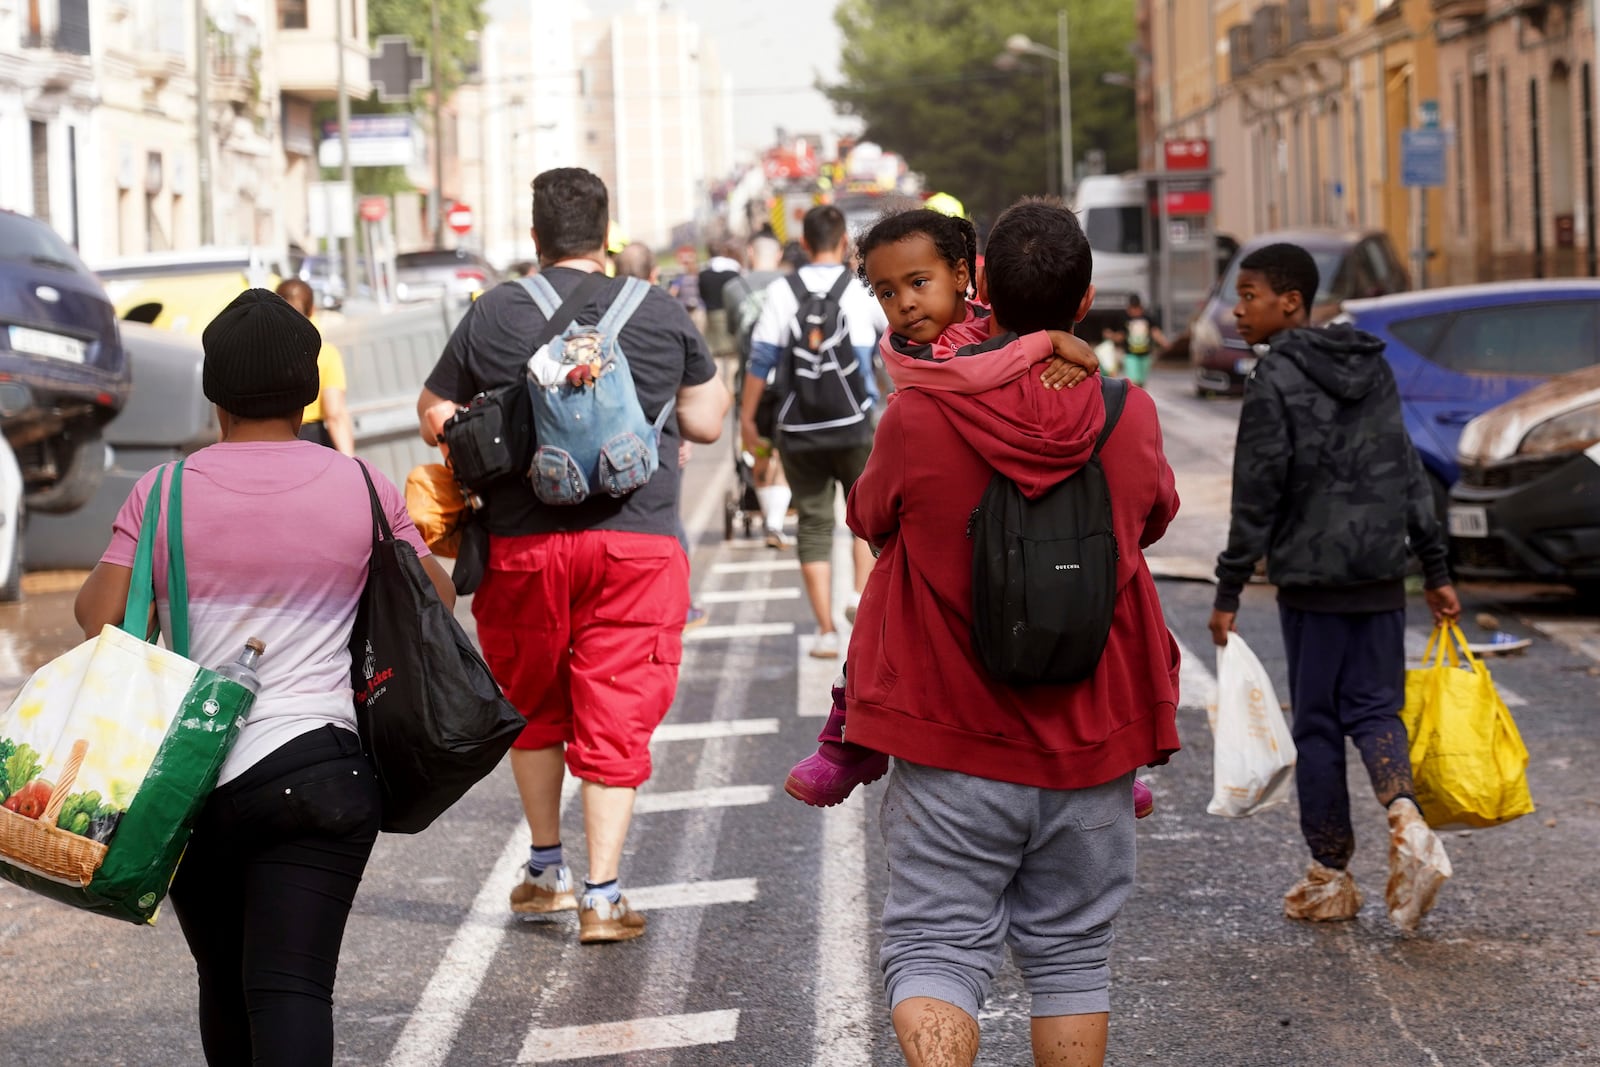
column 933, row 1033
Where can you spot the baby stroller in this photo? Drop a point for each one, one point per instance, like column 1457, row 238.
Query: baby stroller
column 741, row 507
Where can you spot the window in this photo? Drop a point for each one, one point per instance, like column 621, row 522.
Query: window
column 23, row 240
column 1505, row 153
column 1115, row 230
column 1525, row 339
column 1461, row 162
column 292, row 14
column 1420, row 335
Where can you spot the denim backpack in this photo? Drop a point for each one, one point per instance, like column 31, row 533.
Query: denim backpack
column 590, row 433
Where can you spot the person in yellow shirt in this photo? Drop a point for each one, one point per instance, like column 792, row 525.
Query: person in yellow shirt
column 327, row 420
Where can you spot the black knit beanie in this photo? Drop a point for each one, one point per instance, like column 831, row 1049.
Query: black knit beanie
column 261, row 357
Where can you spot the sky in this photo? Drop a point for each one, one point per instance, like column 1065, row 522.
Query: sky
column 774, row 51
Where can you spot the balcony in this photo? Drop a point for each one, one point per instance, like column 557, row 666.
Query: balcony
column 71, row 34
column 1311, row 20
column 1460, row 9
column 236, row 78
column 1239, row 57
column 1269, row 32
column 307, row 62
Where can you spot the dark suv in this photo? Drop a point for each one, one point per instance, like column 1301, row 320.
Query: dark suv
column 63, row 372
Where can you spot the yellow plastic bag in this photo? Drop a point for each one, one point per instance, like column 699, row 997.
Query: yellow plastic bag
column 1467, row 758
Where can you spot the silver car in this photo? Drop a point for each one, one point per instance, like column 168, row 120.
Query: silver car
column 441, row 273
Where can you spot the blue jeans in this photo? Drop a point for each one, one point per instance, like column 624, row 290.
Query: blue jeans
column 263, row 894
column 1347, row 678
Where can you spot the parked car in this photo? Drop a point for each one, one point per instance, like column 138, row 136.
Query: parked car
column 184, row 291
column 1350, row 265
column 1528, row 502
column 1458, row 352
column 441, row 273
column 63, row 371
column 11, row 525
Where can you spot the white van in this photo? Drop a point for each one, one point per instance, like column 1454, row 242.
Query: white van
column 1112, row 211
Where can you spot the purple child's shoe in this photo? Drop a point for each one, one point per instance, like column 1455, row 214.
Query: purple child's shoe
column 829, row 775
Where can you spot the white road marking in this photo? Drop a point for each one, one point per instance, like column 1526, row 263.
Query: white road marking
column 725, row 796
column 431, row 1030
column 815, row 679
column 738, row 632
column 845, row 1001
column 749, row 596
column 634, row 1035
column 1197, row 686
column 705, row 731
column 759, row 566
column 1582, row 636
column 693, row 894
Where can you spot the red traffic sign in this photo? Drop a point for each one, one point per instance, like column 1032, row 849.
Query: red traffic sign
column 459, row 218
column 374, row 208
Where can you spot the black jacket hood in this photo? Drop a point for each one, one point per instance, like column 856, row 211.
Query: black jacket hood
column 1343, row 361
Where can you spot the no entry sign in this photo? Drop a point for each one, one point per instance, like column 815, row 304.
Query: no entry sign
column 459, row 218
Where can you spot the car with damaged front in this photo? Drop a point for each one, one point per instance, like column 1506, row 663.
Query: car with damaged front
column 63, row 371
column 1527, row 505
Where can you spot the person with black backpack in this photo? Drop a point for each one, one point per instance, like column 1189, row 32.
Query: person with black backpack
column 815, row 340
column 1011, row 655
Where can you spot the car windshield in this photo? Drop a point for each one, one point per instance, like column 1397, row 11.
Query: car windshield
column 1115, row 230
column 1327, row 260
column 26, row 241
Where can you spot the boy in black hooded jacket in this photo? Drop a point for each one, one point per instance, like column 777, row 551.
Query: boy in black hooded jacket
column 1327, row 486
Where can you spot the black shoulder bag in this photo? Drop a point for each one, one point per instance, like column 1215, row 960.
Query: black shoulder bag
column 432, row 717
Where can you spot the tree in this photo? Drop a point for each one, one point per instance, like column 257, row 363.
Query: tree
column 460, row 22
column 922, row 75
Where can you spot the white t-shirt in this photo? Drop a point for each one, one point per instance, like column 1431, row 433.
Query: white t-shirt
column 860, row 309
column 276, row 540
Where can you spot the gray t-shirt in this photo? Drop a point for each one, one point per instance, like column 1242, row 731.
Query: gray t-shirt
column 490, row 347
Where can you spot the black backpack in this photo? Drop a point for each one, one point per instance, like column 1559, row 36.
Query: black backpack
column 822, row 384
column 1044, row 571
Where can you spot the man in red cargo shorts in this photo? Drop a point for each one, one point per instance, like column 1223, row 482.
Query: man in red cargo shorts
column 580, row 612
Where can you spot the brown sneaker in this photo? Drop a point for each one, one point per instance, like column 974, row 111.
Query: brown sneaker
column 1418, row 865
column 550, row 891
column 600, row 921
column 1324, row 895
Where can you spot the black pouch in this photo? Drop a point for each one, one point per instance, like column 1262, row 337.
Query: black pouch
column 491, row 438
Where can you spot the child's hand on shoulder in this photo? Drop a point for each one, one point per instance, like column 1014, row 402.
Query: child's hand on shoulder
column 1070, row 362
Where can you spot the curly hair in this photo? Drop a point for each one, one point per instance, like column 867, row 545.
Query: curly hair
column 955, row 239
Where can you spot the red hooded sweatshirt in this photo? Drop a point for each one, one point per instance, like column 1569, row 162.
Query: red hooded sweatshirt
column 915, row 688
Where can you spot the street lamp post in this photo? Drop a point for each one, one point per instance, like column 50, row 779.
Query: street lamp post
column 1020, row 44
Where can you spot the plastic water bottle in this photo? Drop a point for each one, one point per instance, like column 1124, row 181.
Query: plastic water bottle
column 243, row 669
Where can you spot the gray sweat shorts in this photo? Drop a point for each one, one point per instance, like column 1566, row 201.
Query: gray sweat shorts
column 976, row 864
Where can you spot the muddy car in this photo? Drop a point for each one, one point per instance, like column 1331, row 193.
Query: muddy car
column 1528, row 502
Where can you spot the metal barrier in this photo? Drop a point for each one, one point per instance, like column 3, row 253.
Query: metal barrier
column 386, row 360
column 386, row 357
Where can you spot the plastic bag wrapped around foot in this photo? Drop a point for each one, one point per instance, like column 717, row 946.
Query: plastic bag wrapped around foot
column 1418, row 865
column 1324, row 895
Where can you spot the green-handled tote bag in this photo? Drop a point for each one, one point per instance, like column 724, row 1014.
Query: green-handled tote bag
column 109, row 751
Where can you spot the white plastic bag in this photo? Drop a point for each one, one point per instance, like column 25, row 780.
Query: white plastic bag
column 1254, row 752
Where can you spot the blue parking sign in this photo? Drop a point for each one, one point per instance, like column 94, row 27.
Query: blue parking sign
column 1422, row 158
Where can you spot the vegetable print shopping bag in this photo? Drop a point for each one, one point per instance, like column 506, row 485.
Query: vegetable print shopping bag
column 109, row 751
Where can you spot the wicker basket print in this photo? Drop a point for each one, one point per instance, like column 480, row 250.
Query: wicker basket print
column 75, row 744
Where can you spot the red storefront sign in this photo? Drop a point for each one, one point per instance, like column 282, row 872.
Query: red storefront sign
column 1187, row 153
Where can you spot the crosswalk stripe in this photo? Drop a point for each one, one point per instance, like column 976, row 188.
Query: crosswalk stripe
column 815, row 678
column 735, row 633
column 759, row 566
column 727, row 796
column 705, row 731
column 749, row 596
column 633, row 1035
column 1197, row 686
column 692, row 894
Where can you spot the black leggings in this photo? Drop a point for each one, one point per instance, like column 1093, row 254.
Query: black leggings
column 263, row 894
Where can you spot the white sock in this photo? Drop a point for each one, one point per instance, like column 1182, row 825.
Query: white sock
column 774, row 504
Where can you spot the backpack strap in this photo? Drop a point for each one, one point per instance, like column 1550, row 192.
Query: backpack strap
column 634, row 290
column 544, row 294
column 560, row 317
column 836, row 293
column 1115, row 393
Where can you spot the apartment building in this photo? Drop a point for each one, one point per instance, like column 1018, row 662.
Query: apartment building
column 1306, row 102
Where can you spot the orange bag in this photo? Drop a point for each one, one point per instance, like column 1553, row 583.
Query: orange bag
column 437, row 507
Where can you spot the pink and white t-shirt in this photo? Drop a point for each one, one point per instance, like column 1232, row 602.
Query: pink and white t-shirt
column 276, row 538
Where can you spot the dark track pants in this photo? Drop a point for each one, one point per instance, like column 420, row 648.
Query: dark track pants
column 1346, row 679
column 263, row 893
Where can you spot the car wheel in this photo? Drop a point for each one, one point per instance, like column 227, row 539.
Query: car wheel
column 83, row 468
